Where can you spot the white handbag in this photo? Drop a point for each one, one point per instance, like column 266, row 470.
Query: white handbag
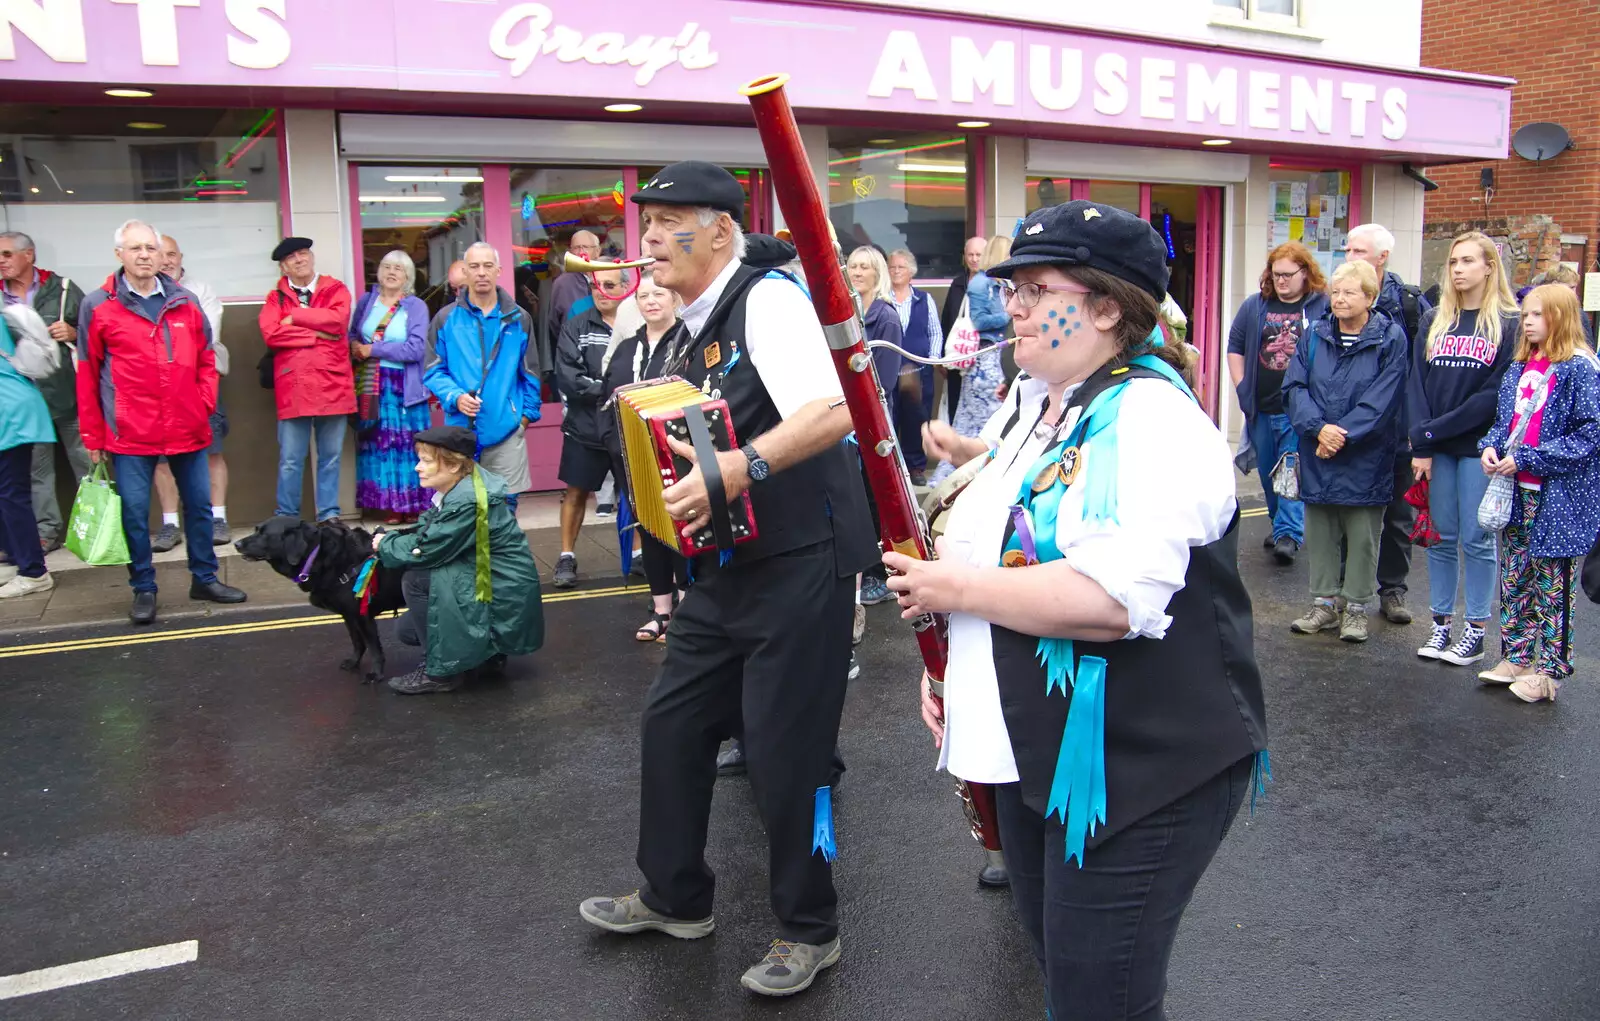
column 37, row 355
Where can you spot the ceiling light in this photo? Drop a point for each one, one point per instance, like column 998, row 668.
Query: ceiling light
column 34, row 189
column 129, row 93
column 623, row 108
column 71, row 192
column 935, row 168
column 434, row 179
column 1217, row 141
column 880, row 141
column 972, row 124
column 403, row 198
column 145, row 125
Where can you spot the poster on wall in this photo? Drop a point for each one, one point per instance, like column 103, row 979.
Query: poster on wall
column 1280, row 198
column 1279, row 233
column 1297, row 228
column 1297, row 198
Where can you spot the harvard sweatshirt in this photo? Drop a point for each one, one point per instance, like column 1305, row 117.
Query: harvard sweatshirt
column 1454, row 387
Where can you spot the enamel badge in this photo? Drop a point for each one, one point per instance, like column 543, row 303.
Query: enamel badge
column 713, row 355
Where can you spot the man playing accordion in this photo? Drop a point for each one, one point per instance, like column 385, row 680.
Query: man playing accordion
column 762, row 640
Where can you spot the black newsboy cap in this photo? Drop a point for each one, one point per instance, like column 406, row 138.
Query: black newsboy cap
column 289, row 246
column 449, row 437
column 694, row 183
column 1097, row 236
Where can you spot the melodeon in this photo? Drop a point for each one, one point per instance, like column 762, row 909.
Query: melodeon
column 648, row 413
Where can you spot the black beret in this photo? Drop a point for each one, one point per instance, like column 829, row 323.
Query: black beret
column 449, row 437
column 1097, row 236
column 694, row 183
column 289, row 246
column 767, row 252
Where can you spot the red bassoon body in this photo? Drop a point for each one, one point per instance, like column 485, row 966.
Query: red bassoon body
column 903, row 529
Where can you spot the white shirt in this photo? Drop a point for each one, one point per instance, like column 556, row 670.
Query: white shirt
column 1175, row 490
column 211, row 305
column 782, row 339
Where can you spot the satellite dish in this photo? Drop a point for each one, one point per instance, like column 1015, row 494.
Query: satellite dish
column 1541, row 140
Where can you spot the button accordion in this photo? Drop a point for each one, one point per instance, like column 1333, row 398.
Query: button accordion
column 648, row 413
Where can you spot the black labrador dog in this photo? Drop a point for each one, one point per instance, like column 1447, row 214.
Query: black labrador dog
column 288, row 544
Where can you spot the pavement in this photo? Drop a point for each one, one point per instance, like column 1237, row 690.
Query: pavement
column 1428, row 848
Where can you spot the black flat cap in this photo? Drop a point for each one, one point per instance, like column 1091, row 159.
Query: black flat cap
column 767, row 252
column 449, row 437
column 694, row 183
column 1097, row 236
column 289, row 246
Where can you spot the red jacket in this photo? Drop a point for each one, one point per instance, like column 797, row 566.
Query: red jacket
column 311, row 357
column 145, row 386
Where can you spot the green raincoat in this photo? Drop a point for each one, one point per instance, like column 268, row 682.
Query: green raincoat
column 465, row 625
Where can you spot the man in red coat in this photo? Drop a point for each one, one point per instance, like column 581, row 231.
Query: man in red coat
column 147, row 385
column 304, row 322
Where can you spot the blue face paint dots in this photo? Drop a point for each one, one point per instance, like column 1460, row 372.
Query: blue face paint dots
column 1055, row 343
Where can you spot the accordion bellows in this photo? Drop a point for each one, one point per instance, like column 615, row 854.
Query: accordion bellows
column 649, row 412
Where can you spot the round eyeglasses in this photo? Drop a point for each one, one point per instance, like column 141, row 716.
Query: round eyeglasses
column 1028, row 294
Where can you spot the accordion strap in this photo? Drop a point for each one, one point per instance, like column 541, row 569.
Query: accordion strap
column 711, row 470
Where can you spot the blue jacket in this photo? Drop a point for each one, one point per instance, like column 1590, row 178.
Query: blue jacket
column 24, row 416
column 1566, row 459
column 1360, row 390
column 883, row 323
column 407, row 350
column 987, row 308
column 459, row 339
column 1244, row 338
column 1392, row 305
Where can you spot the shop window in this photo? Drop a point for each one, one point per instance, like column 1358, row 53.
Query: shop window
column 433, row 214
column 210, row 178
column 1311, row 207
column 1043, row 192
column 1273, row 15
column 900, row 190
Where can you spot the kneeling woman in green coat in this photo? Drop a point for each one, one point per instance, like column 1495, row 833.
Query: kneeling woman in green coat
column 471, row 586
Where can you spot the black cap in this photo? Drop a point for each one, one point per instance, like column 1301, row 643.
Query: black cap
column 694, row 183
column 1097, row 236
column 767, row 252
column 289, row 246
column 449, row 437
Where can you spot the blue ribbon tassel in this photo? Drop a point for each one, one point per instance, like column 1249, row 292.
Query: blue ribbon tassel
column 360, row 584
column 624, row 528
column 822, row 825
column 1260, row 776
column 1055, row 655
column 1078, row 792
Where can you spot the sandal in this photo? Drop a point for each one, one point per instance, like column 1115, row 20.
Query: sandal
column 654, row 629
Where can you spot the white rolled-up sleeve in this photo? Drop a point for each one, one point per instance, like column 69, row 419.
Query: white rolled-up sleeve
column 785, row 343
column 1175, row 491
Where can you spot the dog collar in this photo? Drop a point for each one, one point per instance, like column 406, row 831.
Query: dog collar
column 305, row 568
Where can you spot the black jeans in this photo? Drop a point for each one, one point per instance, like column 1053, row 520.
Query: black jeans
column 1394, row 543
column 1103, row 933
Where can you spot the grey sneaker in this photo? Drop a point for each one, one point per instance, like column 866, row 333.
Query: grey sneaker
column 630, row 914
column 221, row 534
column 166, row 539
column 859, row 628
column 1354, row 627
column 1393, row 605
column 566, row 575
column 1321, row 618
column 419, row 683
column 790, row 968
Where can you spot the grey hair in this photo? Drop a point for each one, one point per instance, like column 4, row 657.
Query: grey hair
column 21, row 241
column 401, row 259
column 1381, row 236
column 707, row 216
column 904, row 253
column 122, row 231
column 482, row 244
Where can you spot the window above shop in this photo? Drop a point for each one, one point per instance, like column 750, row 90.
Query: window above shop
column 1286, row 17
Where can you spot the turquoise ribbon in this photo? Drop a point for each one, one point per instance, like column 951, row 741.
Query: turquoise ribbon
column 1078, row 792
column 822, row 825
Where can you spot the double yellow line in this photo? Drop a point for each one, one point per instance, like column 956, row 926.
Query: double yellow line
column 254, row 627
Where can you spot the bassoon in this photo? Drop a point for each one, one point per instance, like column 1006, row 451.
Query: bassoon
column 900, row 520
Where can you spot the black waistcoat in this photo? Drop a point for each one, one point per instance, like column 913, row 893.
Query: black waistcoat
column 815, row 501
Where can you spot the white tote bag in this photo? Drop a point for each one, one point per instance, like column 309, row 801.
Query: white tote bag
column 962, row 340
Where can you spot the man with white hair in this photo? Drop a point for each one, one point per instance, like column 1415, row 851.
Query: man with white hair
column 480, row 362
column 760, row 645
column 570, row 291
column 1403, row 303
column 57, row 301
column 147, row 385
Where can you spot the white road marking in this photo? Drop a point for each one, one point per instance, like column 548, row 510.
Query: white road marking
column 98, row 968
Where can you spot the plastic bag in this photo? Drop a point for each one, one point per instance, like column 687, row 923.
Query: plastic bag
column 1286, row 476
column 1494, row 513
column 94, row 531
column 963, row 340
column 37, row 356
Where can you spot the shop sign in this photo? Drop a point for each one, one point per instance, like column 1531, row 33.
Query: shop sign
column 526, row 31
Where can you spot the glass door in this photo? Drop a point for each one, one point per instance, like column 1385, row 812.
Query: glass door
column 431, row 213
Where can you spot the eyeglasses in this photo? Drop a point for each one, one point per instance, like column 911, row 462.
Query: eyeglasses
column 1287, row 276
column 1027, row 295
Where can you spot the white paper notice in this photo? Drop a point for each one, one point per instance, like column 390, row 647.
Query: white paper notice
column 1591, row 292
column 1280, row 231
column 1343, row 206
column 1297, row 198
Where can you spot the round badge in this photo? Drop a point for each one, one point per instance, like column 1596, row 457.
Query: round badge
column 1071, row 462
column 1045, row 479
column 1014, row 558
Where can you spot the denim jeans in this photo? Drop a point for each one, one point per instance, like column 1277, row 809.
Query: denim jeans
column 1103, row 933
column 1454, row 494
column 1273, row 436
column 19, row 532
column 294, row 444
column 192, row 473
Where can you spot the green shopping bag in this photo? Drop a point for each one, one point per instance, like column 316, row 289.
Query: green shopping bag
column 94, row 532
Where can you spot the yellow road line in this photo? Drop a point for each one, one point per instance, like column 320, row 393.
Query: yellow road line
column 1254, row 512
column 252, row 627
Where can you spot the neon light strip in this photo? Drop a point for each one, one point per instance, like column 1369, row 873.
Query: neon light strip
column 222, row 191
column 873, row 154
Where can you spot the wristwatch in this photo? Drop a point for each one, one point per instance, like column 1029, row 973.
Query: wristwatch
column 759, row 468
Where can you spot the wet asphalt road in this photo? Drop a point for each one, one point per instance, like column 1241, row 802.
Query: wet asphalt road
column 1428, row 850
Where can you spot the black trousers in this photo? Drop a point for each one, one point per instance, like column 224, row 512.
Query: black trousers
column 1103, row 933
column 412, row 627
column 1394, row 543
column 766, row 646
column 665, row 570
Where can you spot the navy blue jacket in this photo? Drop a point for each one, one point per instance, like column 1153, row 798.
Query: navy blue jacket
column 1361, row 390
column 1567, row 459
column 1244, row 338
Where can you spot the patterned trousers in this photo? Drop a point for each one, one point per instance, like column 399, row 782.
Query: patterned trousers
column 1537, row 598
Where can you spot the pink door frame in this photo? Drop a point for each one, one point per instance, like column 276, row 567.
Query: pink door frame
column 1205, row 319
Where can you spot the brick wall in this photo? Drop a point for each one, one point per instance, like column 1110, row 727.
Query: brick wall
column 1553, row 51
